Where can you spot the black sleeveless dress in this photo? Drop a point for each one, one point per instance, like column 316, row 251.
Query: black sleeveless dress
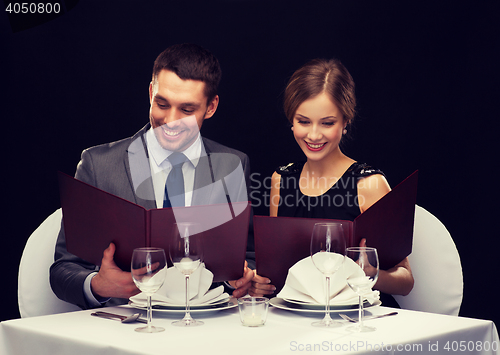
column 339, row 202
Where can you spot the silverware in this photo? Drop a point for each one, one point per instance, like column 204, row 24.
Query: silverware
column 123, row 319
column 349, row 319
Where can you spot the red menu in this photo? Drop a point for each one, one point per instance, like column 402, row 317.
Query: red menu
column 387, row 225
column 93, row 218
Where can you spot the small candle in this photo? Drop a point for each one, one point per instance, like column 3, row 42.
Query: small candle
column 252, row 320
column 253, row 311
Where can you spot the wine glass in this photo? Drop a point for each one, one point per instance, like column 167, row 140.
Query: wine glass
column 186, row 253
column 327, row 253
column 148, row 272
column 367, row 259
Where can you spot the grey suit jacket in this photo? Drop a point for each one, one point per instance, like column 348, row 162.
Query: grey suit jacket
column 122, row 168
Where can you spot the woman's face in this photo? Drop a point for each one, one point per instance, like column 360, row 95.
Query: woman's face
column 317, row 127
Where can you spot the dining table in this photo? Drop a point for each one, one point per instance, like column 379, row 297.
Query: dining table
column 285, row 332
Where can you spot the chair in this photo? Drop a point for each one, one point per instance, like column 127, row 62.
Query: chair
column 35, row 296
column 436, row 268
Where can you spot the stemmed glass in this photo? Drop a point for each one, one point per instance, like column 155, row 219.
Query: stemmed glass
column 148, row 272
column 367, row 259
column 327, row 253
column 186, row 253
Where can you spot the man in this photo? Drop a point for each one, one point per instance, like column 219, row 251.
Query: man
column 183, row 93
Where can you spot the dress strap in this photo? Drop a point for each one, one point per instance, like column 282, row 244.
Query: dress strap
column 290, row 169
column 363, row 170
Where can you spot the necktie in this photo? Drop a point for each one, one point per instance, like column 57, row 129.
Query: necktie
column 174, row 187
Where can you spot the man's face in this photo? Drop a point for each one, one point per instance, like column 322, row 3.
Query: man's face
column 178, row 109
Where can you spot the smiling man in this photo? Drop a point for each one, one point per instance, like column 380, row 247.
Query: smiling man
column 179, row 108
column 168, row 151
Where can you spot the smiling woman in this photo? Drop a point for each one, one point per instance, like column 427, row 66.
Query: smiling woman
column 320, row 104
column 318, row 126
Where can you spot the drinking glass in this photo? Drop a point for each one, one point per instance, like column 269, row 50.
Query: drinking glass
column 327, row 253
column 148, row 272
column 186, row 253
column 367, row 259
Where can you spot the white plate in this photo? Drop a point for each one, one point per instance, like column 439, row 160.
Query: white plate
column 317, row 305
column 218, row 306
column 217, row 300
column 312, row 308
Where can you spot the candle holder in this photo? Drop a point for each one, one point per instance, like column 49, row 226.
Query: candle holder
column 253, row 310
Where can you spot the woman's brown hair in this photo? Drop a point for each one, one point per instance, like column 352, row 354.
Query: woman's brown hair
column 316, row 77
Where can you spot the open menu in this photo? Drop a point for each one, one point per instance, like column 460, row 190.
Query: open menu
column 387, row 225
column 93, row 218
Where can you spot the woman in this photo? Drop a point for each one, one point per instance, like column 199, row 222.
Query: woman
column 320, row 105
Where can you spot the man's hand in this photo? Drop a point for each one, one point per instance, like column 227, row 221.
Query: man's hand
column 242, row 285
column 111, row 281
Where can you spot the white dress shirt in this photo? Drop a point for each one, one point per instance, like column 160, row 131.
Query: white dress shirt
column 160, row 167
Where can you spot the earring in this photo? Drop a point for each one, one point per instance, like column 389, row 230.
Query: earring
column 344, row 131
column 291, row 128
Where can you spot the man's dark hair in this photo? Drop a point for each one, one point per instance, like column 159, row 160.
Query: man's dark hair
column 190, row 62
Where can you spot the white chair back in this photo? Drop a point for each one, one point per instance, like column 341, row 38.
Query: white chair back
column 35, row 296
column 436, row 268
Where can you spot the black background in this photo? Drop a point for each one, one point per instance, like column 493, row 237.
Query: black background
column 427, row 83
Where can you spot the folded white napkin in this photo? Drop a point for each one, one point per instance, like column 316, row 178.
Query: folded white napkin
column 173, row 291
column 305, row 283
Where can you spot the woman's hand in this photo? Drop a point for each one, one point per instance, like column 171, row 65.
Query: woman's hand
column 368, row 268
column 397, row 280
column 242, row 285
column 261, row 286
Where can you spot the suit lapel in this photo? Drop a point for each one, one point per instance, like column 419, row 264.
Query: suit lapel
column 136, row 160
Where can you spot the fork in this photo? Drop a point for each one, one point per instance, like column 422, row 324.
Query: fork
column 349, row 319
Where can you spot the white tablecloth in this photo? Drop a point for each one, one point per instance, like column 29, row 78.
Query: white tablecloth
column 284, row 333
